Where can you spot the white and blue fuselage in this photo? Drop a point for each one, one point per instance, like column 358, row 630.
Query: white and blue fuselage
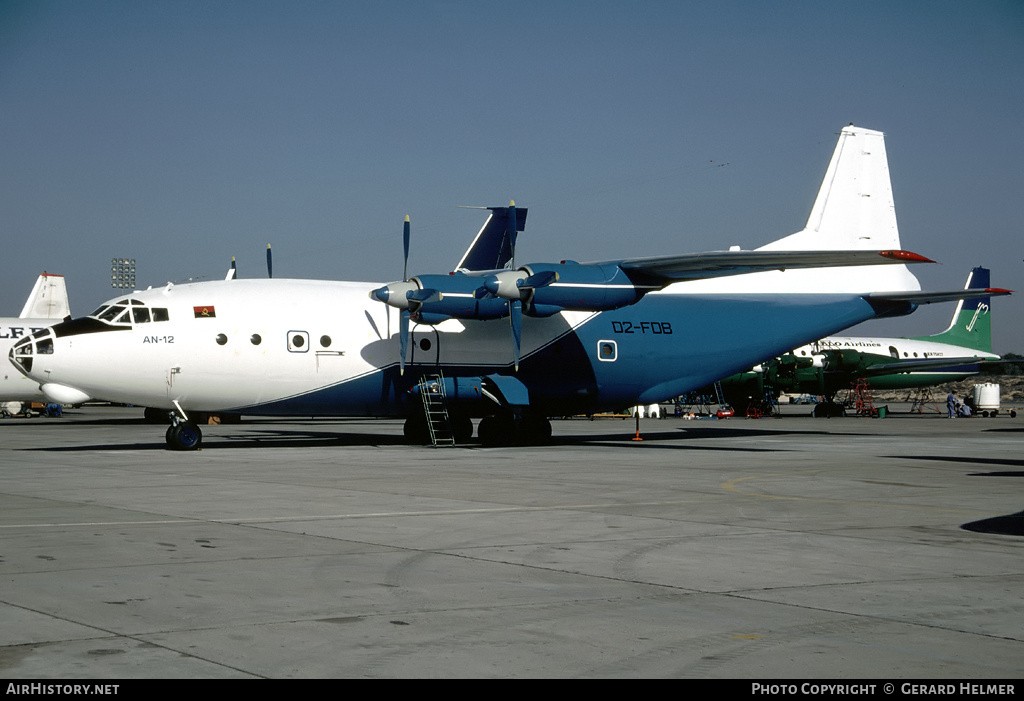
column 307, row 347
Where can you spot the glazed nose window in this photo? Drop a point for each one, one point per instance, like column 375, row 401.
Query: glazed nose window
column 21, row 354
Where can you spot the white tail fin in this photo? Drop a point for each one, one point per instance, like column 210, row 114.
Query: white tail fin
column 49, row 299
column 854, row 210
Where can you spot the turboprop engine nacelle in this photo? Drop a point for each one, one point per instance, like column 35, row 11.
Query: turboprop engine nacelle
column 591, row 287
column 432, row 299
column 543, row 288
column 546, row 288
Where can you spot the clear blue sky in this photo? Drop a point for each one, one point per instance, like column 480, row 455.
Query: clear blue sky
column 184, row 133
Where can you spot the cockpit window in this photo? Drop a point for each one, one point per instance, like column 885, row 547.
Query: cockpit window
column 130, row 312
column 111, row 313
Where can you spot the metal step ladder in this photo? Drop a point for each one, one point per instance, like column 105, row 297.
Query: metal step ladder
column 435, row 407
column 719, row 395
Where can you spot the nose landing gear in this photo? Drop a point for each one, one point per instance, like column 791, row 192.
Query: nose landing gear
column 183, row 433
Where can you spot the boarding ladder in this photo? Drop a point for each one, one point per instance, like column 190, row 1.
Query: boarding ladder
column 719, row 395
column 435, row 407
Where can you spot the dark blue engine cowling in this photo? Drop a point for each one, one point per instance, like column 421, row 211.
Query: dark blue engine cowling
column 584, row 287
column 591, row 287
column 457, row 299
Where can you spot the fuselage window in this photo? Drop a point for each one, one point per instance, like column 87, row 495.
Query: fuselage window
column 256, row 339
column 425, row 344
column 298, row 341
column 607, row 351
column 221, row 339
column 325, row 341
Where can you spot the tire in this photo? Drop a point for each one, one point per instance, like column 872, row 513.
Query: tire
column 185, row 436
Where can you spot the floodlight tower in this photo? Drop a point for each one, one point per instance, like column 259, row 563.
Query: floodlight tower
column 122, row 273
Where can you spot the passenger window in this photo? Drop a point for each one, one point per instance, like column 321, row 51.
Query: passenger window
column 298, row 341
column 607, row 351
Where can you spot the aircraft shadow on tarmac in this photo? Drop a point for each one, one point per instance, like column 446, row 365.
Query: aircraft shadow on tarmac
column 998, row 525
column 971, row 460
column 1012, row 524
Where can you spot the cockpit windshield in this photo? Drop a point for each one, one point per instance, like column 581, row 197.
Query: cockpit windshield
column 126, row 312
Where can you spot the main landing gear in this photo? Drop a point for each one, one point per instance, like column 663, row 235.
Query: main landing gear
column 507, row 429
column 498, row 430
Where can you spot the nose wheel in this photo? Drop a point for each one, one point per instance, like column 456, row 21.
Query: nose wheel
column 184, row 435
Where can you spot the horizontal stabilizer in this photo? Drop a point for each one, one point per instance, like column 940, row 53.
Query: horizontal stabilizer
column 931, row 297
column 701, row 266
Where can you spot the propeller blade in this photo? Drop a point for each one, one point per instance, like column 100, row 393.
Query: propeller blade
column 541, row 279
column 403, row 339
column 513, row 230
column 405, row 241
column 516, row 321
column 270, row 263
column 233, row 272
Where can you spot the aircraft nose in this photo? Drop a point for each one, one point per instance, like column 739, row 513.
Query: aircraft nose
column 24, row 352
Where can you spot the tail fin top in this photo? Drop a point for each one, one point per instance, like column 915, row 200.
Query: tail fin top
column 854, row 210
column 48, row 300
column 495, row 244
column 971, row 325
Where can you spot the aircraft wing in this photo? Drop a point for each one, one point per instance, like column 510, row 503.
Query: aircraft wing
column 927, row 364
column 700, row 266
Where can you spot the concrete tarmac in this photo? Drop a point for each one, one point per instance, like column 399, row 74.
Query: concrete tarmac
column 787, row 547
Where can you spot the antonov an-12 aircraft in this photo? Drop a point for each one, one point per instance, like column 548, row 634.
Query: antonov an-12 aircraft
column 513, row 346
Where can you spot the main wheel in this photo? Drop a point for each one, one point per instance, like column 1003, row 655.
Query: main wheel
column 415, row 429
column 535, row 430
column 494, row 431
